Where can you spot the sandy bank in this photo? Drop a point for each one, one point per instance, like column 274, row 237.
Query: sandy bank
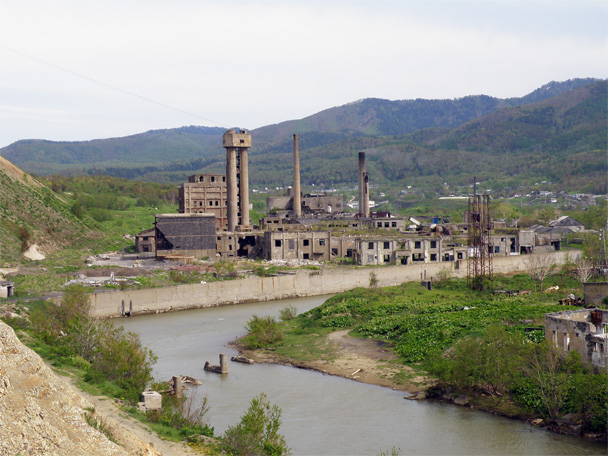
column 361, row 360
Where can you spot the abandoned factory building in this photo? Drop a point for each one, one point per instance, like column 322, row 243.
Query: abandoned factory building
column 185, row 234
column 583, row 331
column 213, row 221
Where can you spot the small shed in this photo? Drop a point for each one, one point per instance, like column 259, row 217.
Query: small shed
column 7, row 289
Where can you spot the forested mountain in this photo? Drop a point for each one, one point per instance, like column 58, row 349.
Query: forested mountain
column 440, row 140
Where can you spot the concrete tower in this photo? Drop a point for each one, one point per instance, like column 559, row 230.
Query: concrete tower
column 363, row 187
column 297, row 191
column 237, row 177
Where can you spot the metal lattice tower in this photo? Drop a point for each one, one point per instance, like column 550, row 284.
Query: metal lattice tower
column 479, row 265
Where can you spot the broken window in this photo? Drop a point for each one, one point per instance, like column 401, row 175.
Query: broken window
column 386, row 224
column 305, row 242
column 379, row 224
column 433, row 257
column 370, row 245
column 334, row 252
column 387, row 258
column 277, row 243
column 394, row 224
column 459, row 255
column 387, row 245
column 433, row 244
column 305, row 256
column 417, row 244
column 321, row 241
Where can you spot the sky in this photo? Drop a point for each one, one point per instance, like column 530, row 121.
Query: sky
column 80, row 69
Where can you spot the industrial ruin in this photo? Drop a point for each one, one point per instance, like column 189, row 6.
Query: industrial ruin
column 213, row 222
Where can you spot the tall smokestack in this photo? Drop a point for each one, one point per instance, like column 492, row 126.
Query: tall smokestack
column 297, row 201
column 231, row 142
column 363, row 187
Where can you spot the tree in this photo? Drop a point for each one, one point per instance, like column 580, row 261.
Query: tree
column 584, row 269
column 258, row 431
column 539, row 266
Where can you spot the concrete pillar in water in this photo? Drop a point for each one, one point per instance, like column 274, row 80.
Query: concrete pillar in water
column 177, row 386
column 297, row 191
column 223, row 363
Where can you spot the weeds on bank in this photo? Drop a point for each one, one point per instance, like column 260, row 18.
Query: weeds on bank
column 98, row 423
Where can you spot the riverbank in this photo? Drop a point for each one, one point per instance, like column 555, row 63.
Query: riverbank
column 371, row 362
column 296, row 284
column 361, row 360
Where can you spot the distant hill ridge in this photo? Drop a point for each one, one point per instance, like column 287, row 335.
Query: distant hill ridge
column 388, row 130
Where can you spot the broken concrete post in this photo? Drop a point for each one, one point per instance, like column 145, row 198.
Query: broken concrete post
column 223, row 363
column 177, row 386
column 150, row 400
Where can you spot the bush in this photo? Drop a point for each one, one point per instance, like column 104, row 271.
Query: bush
column 258, row 431
column 113, row 354
column 263, row 332
column 288, row 313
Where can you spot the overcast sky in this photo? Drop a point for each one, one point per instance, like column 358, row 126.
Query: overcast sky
column 78, row 69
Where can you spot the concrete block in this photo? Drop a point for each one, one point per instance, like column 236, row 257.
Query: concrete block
column 151, row 400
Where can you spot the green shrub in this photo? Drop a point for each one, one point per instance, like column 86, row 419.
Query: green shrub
column 113, row 354
column 258, row 431
column 262, row 332
column 288, row 313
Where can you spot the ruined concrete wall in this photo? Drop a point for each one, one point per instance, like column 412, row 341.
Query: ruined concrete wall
column 574, row 330
column 595, row 293
column 302, row 283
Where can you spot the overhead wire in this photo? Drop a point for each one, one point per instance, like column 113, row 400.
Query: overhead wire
column 112, row 87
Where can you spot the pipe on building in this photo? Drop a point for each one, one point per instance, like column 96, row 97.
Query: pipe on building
column 297, row 192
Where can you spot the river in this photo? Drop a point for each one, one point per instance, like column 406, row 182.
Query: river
column 322, row 414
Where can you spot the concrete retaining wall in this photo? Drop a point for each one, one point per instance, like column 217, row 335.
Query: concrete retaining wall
column 303, row 283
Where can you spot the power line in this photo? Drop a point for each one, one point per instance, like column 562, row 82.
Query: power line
column 111, row 87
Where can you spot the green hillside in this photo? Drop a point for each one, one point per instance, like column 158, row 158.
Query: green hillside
column 170, row 155
column 31, row 213
column 562, row 140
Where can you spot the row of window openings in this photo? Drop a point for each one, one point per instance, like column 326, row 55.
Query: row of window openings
column 567, row 343
column 211, row 203
column 387, row 245
column 387, row 224
column 292, row 245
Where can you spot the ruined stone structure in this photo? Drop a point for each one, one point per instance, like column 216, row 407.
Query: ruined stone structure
column 306, row 245
column 237, row 178
column 583, row 331
column 596, row 293
column 317, row 203
column 7, row 289
column 205, row 193
column 402, row 251
column 145, row 242
column 185, row 234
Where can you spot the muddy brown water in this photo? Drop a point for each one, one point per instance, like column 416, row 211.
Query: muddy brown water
column 326, row 415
